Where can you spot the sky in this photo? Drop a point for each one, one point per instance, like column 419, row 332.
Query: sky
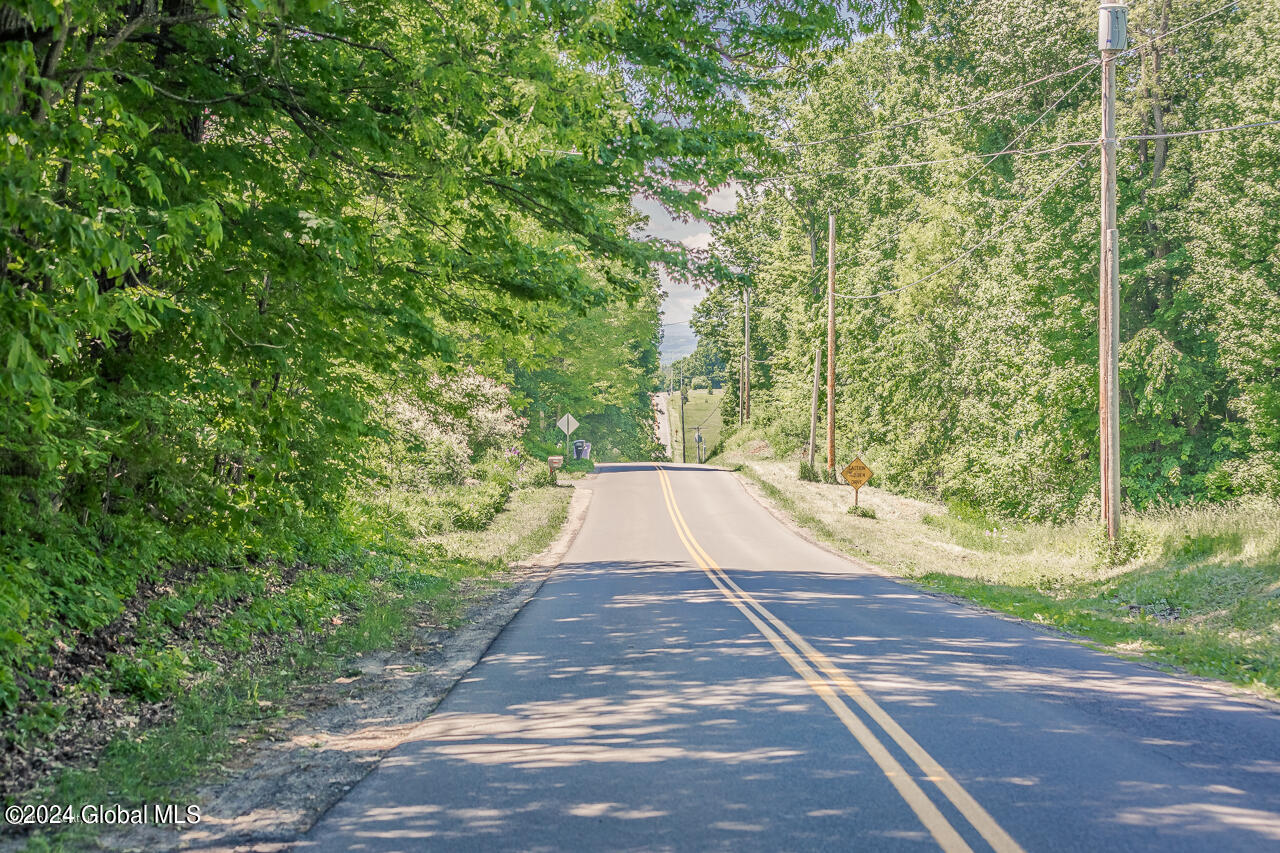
column 677, row 308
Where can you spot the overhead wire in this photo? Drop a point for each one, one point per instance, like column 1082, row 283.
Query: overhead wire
column 941, row 114
column 1091, row 143
column 1061, row 146
column 915, row 163
column 1003, row 92
column 1007, row 150
column 1179, row 28
column 1199, row 132
column 1058, row 178
column 986, row 238
column 991, row 158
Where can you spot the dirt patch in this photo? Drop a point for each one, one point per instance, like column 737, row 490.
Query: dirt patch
column 335, row 734
column 88, row 720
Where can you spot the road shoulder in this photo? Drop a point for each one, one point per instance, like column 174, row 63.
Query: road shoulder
column 276, row 793
column 756, row 493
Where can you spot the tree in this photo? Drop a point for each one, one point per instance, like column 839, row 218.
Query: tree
column 233, row 227
column 977, row 380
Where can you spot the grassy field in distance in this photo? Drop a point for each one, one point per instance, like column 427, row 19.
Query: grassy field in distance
column 703, row 409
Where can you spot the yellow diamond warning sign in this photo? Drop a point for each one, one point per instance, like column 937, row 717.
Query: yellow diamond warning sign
column 856, row 473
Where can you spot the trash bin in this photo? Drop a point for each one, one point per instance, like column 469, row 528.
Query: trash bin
column 581, row 449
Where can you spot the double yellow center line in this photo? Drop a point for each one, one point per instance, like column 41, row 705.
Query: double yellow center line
column 825, row 679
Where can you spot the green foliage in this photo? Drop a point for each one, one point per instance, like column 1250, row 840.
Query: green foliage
column 1125, row 548
column 862, row 511
column 382, row 595
column 809, row 473
column 540, row 475
column 477, row 508
column 979, row 384
column 245, row 245
column 288, row 283
column 150, row 676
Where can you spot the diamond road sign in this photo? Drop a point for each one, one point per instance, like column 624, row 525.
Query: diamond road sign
column 567, row 424
column 856, row 473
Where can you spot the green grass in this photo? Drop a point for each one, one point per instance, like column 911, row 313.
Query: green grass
column 323, row 620
column 529, row 524
column 703, row 409
column 1197, row 587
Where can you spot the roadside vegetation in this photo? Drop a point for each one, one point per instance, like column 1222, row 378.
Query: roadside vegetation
column 966, row 348
column 292, row 295
column 967, row 328
column 203, row 658
column 1194, row 586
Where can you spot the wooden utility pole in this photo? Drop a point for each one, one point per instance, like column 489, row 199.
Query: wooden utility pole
column 831, row 342
column 742, row 369
column 813, row 409
column 746, row 354
column 1112, row 20
column 684, row 457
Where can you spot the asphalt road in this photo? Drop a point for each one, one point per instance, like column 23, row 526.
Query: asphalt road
column 697, row 677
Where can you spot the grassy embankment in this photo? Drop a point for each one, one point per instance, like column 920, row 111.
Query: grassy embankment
column 702, row 410
column 225, row 652
column 1193, row 587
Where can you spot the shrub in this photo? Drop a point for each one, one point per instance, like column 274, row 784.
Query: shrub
column 809, row 473
column 1130, row 545
column 474, row 507
column 537, row 473
column 862, row 511
column 149, row 675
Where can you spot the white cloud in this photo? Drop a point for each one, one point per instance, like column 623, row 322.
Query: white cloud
column 724, row 199
column 677, row 342
column 662, row 224
column 701, row 240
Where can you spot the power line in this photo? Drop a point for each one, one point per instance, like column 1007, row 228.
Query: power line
column 916, row 163
column 1178, row 28
column 1007, row 149
column 803, row 282
column 1061, row 146
column 943, row 114
column 1004, row 92
column 986, row 238
column 1200, row 132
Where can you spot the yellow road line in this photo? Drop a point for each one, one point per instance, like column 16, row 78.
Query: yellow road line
column 977, row 816
column 942, row 831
